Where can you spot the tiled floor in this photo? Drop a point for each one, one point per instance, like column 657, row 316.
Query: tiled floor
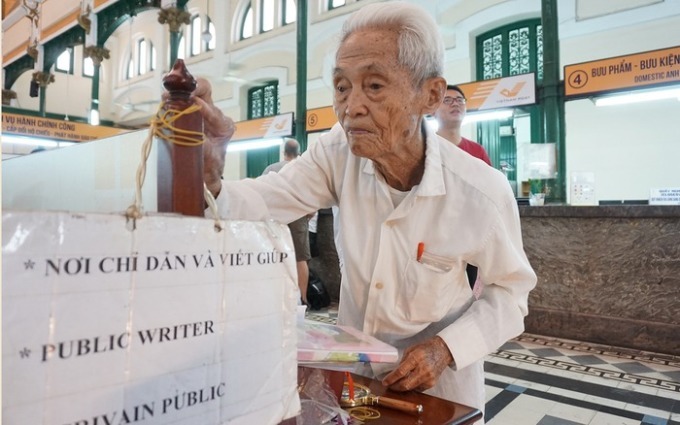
column 536, row 380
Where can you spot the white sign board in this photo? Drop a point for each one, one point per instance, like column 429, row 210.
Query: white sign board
column 582, row 188
column 499, row 93
column 172, row 322
column 666, row 196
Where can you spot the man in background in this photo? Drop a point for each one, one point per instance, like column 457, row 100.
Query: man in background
column 450, row 115
column 299, row 229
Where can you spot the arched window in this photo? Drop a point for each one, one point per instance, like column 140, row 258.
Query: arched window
column 195, row 35
column 201, row 32
column 65, row 61
column 88, row 67
column 334, row 4
column 289, row 12
column 152, row 57
column 260, row 16
column 511, row 50
column 130, row 68
column 247, row 24
column 142, row 59
column 142, row 56
column 210, row 44
column 181, row 47
column 263, row 101
column 267, row 15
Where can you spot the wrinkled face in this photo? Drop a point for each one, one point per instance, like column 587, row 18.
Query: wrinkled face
column 452, row 109
column 374, row 97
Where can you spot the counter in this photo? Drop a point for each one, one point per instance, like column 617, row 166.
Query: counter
column 606, row 274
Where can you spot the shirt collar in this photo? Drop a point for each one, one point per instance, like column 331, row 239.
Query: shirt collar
column 432, row 183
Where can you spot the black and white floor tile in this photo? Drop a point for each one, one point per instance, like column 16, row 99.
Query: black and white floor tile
column 537, row 380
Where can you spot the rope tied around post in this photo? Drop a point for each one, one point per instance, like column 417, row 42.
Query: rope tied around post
column 160, row 126
column 164, row 124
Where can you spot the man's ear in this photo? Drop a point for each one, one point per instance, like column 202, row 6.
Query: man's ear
column 435, row 88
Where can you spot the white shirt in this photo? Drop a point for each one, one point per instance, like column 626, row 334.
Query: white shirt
column 463, row 211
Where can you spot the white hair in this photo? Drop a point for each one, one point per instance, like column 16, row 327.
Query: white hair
column 421, row 49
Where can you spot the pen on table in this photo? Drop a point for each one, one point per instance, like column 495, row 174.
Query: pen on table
column 421, row 249
column 350, row 386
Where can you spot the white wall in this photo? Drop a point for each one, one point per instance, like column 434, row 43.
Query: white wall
column 629, row 148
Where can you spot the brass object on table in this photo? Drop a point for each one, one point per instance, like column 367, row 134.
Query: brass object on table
column 363, row 397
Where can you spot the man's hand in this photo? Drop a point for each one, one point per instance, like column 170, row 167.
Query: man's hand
column 218, row 129
column 420, row 367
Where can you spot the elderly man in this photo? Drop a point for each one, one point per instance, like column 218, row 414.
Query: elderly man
column 413, row 209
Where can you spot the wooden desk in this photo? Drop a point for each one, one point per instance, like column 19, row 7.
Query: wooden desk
column 436, row 411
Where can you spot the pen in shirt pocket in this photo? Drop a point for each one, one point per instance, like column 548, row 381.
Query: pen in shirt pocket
column 421, row 249
column 431, row 261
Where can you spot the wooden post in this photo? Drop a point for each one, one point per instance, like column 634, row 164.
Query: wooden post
column 180, row 167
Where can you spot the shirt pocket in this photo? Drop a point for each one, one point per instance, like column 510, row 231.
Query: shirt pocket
column 432, row 287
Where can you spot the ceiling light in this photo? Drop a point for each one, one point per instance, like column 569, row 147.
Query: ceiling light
column 635, row 97
column 253, row 144
column 501, row 114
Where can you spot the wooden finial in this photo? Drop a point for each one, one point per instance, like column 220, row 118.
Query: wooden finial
column 179, row 80
column 180, row 167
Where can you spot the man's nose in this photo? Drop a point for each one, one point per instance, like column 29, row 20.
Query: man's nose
column 356, row 103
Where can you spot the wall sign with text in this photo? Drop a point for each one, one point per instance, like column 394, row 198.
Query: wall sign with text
column 320, row 119
column 263, row 128
column 30, row 126
column 506, row 92
column 653, row 68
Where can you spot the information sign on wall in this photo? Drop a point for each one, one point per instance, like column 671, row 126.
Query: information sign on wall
column 30, row 126
column 263, row 128
column 582, row 188
column 320, row 119
column 623, row 72
column 500, row 93
column 665, row 196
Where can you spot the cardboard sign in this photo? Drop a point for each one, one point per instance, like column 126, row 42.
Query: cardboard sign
column 172, row 322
